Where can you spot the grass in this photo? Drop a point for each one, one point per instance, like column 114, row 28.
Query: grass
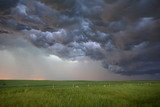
column 22, row 93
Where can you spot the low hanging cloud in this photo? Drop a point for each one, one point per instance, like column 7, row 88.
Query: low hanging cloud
column 22, row 60
column 122, row 34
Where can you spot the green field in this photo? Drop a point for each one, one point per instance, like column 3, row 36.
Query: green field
column 22, row 93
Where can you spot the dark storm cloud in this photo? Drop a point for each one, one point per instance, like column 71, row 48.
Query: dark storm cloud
column 122, row 34
column 7, row 4
column 131, row 10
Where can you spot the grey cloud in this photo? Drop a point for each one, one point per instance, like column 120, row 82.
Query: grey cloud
column 122, row 34
column 7, row 4
column 117, row 49
column 131, row 9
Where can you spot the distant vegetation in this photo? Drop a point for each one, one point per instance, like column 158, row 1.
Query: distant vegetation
column 20, row 93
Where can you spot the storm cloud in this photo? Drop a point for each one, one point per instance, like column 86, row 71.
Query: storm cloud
column 124, row 35
column 7, row 4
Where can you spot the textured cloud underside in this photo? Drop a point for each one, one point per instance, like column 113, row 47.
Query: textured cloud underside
column 123, row 35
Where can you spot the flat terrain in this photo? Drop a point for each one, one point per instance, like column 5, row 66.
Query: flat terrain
column 23, row 93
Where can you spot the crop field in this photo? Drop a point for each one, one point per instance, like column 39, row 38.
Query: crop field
column 28, row 93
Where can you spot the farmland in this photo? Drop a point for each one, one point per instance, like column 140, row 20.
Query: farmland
column 47, row 93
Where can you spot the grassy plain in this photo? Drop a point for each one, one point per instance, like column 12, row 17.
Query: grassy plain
column 28, row 93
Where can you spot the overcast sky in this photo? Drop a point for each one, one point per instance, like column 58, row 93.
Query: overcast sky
column 80, row 39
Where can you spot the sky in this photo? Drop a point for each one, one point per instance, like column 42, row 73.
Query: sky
column 80, row 39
